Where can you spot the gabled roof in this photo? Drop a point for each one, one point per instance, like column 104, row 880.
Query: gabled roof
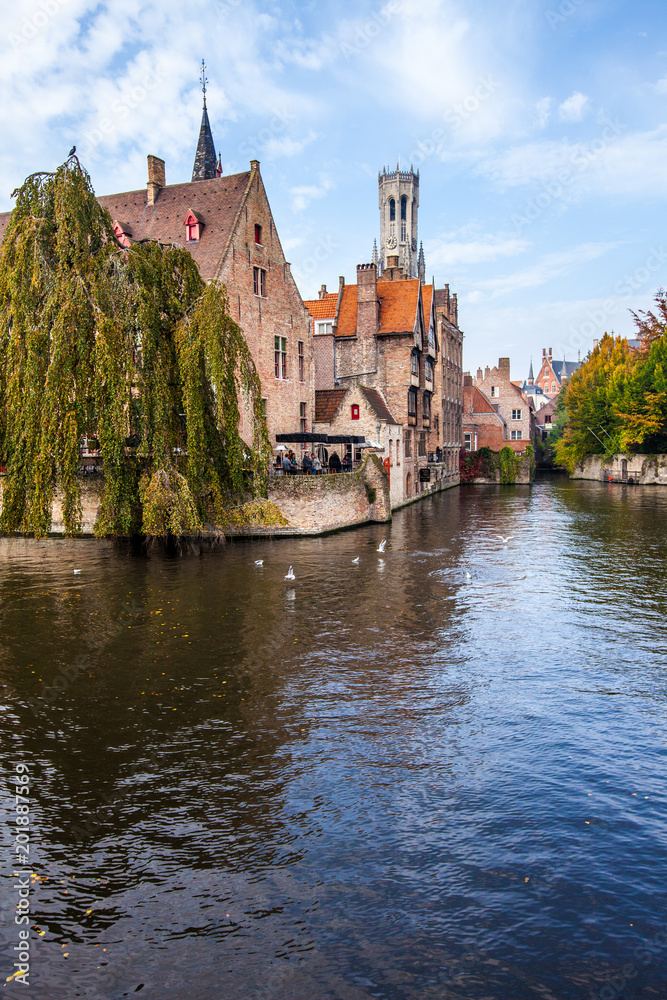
column 564, row 368
column 481, row 403
column 377, row 404
column 215, row 202
column 327, row 402
column 322, row 308
column 398, row 307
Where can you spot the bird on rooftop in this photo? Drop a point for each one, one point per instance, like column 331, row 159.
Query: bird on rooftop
column 71, row 152
column 382, row 545
column 290, row 574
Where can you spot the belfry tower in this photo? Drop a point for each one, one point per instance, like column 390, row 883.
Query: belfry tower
column 399, row 206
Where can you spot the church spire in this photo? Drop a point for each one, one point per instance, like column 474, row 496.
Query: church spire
column 421, row 265
column 375, row 258
column 531, row 377
column 205, row 164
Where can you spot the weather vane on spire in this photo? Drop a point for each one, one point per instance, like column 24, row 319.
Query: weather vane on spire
column 203, row 80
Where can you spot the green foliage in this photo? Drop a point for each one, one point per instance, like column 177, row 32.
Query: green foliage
column 371, row 492
column 508, row 465
column 130, row 346
column 255, row 514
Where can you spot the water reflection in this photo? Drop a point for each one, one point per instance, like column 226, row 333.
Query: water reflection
column 437, row 772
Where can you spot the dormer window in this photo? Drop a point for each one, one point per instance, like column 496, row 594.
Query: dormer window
column 258, row 235
column 193, row 227
column 123, row 233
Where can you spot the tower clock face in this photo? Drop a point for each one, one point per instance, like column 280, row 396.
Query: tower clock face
column 391, row 242
column 414, row 246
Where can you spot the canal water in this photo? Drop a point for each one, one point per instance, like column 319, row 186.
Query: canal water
column 430, row 773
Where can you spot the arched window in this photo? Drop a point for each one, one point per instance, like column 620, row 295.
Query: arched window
column 392, row 210
column 404, row 208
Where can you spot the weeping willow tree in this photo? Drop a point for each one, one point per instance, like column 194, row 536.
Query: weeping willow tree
column 126, row 345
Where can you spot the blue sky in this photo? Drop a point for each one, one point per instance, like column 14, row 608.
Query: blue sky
column 539, row 128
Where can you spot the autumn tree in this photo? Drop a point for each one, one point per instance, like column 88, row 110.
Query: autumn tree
column 125, row 344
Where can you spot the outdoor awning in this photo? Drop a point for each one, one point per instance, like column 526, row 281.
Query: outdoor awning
column 302, row 437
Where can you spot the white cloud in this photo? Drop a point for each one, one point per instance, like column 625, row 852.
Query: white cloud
column 445, row 252
column 542, row 112
column 289, row 147
column 302, row 195
column 574, row 109
column 551, row 266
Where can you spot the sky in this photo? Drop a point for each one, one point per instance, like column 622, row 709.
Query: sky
column 539, row 128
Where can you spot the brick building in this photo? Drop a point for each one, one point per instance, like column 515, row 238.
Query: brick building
column 483, row 427
column 226, row 224
column 512, row 405
column 553, row 374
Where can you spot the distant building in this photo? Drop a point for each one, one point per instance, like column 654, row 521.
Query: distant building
column 510, row 403
column 483, row 427
column 553, row 374
column 535, row 393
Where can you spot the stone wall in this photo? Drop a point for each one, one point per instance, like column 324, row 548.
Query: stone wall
column 643, row 469
column 317, row 504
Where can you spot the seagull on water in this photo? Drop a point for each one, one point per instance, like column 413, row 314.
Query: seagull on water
column 290, row 574
column 382, row 545
column 259, row 562
column 77, row 572
column 504, row 539
column 355, row 561
column 468, row 575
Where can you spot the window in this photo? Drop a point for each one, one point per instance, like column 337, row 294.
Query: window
column 426, row 406
column 516, row 414
column 553, row 386
column 192, row 226
column 324, row 328
column 392, row 210
column 259, row 280
column 404, row 208
column 355, row 411
column 547, row 419
column 516, row 435
column 467, row 442
column 429, row 370
column 495, row 391
column 398, row 453
column 280, row 356
column 414, row 364
column 258, row 234
column 421, row 444
column 302, row 418
column 412, row 404
column 408, row 445
column 300, row 350
column 404, row 232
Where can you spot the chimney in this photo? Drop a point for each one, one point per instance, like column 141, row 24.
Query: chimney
column 487, row 372
column 480, row 374
column 504, row 366
column 550, row 354
column 544, row 352
column 156, row 178
column 323, row 291
column 454, row 318
column 467, row 379
column 367, row 300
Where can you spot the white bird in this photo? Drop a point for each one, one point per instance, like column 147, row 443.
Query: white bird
column 259, row 562
column 381, row 546
column 77, row 572
column 468, row 575
column 290, row 574
column 356, row 560
column 505, row 540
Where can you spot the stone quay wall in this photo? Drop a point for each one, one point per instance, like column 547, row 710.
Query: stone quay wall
column 645, row 470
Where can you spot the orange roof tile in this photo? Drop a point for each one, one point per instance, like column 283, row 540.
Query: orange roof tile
column 398, row 307
column 322, row 308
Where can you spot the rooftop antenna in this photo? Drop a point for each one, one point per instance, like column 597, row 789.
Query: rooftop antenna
column 203, row 80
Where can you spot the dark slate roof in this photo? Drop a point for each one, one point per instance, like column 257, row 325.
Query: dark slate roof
column 205, row 162
column 327, row 402
column 563, row 369
column 215, row 202
column 377, row 404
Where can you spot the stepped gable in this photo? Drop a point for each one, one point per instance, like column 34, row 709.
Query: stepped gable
column 327, row 402
column 216, row 204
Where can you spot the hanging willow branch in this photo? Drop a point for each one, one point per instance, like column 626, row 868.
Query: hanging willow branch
column 126, row 345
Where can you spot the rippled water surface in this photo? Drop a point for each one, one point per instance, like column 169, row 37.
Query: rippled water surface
column 436, row 773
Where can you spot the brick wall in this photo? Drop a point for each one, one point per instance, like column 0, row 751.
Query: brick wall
column 509, row 399
column 280, row 312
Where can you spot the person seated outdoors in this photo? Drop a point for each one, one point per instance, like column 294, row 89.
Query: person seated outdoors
column 288, row 467
column 334, row 462
column 347, row 463
column 307, row 464
column 317, row 465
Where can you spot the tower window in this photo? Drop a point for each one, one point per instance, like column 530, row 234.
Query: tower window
column 404, row 208
column 258, row 234
column 392, row 210
column 404, row 232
